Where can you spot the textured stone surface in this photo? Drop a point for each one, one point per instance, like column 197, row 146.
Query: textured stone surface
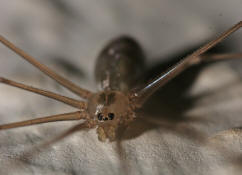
column 203, row 139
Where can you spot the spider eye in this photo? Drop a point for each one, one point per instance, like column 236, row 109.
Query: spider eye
column 99, row 116
column 111, row 116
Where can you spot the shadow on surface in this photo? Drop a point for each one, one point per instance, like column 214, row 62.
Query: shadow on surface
column 167, row 108
column 69, row 67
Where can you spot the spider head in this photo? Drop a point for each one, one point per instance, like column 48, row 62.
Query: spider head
column 110, row 109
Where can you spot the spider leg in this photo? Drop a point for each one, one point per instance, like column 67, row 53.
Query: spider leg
column 140, row 96
column 60, row 117
column 64, row 82
column 120, row 150
column 215, row 57
column 72, row 102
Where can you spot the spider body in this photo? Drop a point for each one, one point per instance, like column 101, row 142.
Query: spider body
column 118, row 69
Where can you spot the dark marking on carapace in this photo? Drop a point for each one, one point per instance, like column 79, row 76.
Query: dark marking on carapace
column 110, row 99
column 106, row 98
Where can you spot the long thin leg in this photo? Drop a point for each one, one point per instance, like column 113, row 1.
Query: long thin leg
column 64, row 82
column 215, row 57
column 66, row 100
column 121, row 152
column 60, row 117
column 142, row 95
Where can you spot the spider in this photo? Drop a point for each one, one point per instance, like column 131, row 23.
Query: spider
column 118, row 68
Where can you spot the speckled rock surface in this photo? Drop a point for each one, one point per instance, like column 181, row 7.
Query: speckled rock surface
column 204, row 138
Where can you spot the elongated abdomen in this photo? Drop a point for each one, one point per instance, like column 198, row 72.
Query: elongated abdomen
column 119, row 65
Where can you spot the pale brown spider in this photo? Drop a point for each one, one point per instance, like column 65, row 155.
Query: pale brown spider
column 118, row 65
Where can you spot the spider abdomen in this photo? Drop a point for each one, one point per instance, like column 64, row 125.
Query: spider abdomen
column 119, row 64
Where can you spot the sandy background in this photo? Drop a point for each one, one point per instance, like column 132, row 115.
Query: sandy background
column 198, row 134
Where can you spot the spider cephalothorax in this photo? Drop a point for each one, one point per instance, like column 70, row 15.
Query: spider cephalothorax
column 109, row 109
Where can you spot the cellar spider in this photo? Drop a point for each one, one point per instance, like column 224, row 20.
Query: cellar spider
column 118, row 66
